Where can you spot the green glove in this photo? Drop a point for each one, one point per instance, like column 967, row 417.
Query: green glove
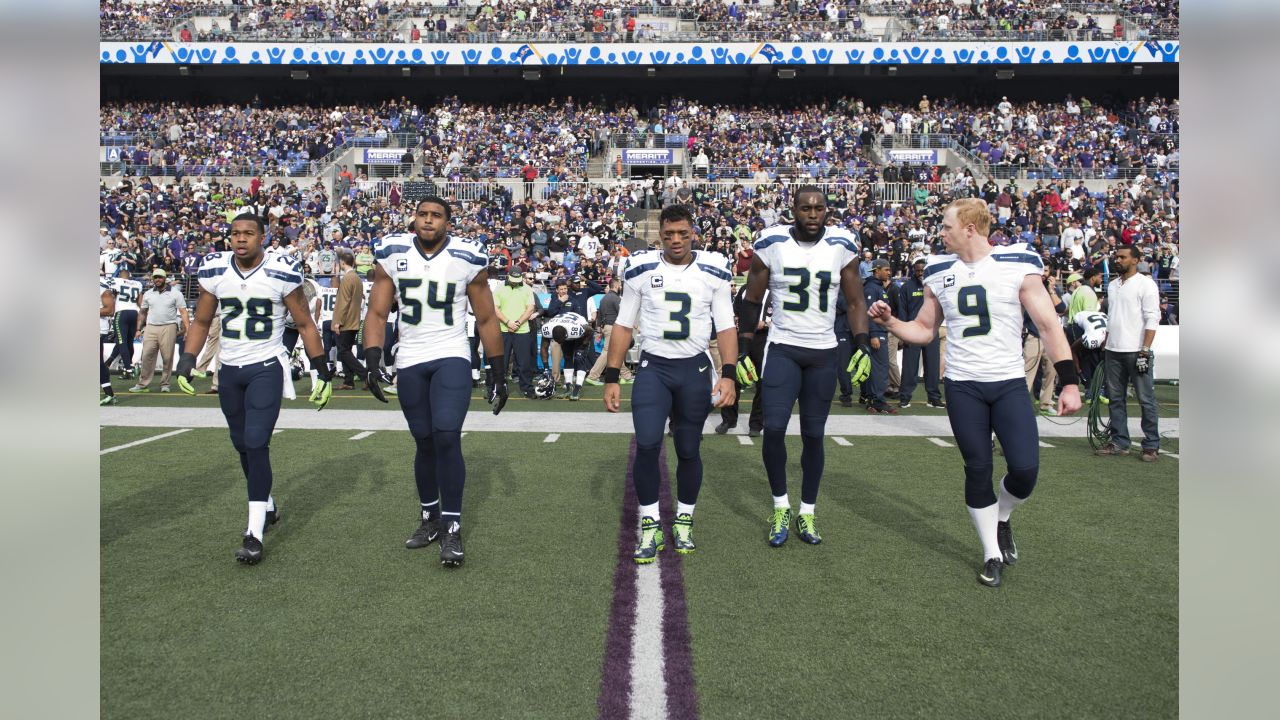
column 860, row 364
column 746, row 370
column 186, row 365
column 323, row 390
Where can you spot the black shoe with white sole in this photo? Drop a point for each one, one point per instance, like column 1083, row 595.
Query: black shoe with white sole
column 427, row 533
column 250, row 552
column 990, row 574
column 451, row 546
column 1004, row 536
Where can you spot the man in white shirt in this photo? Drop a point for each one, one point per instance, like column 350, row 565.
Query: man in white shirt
column 1133, row 314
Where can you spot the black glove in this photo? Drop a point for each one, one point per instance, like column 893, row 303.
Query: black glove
column 498, row 392
column 1142, row 363
column 373, row 372
column 186, row 364
column 320, row 364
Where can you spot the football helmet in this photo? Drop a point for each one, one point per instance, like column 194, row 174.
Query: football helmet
column 544, row 388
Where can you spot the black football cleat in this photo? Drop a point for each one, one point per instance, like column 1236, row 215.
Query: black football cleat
column 723, row 428
column 990, row 574
column 451, row 546
column 1004, row 536
column 250, row 552
column 427, row 533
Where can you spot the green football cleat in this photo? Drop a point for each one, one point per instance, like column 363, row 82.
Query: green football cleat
column 651, row 542
column 779, row 523
column 108, row 400
column 808, row 531
column 682, row 533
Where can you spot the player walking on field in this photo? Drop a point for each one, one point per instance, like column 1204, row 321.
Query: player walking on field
column 434, row 276
column 980, row 292
column 802, row 266
column 675, row 294
column 251, row 291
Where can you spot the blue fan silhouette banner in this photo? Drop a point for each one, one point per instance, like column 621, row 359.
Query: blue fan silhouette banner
column 901, row 53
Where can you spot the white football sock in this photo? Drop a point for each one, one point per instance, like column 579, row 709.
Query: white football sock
column 781, row 501
column 579, row 377
column 475, row 374
column 806, row 508
column 428, row 508
column 649, row 511
column 314, row 377
column 257, row 518
column 984, row 519
column 682, row 509
column 271, row 504
column 1008, row 501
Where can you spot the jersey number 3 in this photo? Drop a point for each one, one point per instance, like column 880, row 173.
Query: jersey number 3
column 680, row 316
column 972, row 301
column 411, row 308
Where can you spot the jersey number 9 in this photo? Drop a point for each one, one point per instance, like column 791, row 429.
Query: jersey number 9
column 972, row 300
column 411, row 308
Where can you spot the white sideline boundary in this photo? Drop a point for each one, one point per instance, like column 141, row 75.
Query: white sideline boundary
column 143, row 441
column 575, row 422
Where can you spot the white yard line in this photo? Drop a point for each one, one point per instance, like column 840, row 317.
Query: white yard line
column 940, row 442
column 577, row 422
column 144, row 441
column 1175, row 456
column 551, row 438
column 648, row 680
column 842, row 442
column 1045, row 444
column 744, row 440
column 360, row 436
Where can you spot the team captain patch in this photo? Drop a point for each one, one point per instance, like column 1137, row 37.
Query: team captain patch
column 402, row 264
column 655, row 281
column 948, row 281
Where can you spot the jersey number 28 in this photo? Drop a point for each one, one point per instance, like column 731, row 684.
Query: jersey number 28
column 257, row 324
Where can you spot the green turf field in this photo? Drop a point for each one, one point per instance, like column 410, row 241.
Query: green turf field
column 884, row 619
column 360, row 399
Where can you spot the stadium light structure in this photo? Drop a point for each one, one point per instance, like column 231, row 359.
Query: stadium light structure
column 651, row 72
column 406, row 71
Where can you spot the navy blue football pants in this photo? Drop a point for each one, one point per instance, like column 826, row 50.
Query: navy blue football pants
column 250, row 400
column 975, row 410
column 676, row 389
column 792, row 373
column 434, row 397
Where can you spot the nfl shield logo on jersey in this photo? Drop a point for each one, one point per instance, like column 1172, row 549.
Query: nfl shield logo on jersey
column 655, row 281
column 402, row 264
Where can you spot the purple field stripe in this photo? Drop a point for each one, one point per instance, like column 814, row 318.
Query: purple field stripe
column 615, row 679
column 677, row 645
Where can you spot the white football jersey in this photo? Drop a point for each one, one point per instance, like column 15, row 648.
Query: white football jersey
column 983, row 312
column 250, row 304
column 805, row 283
column 574, row 324
column 104, row 323
column 328, row 298
column 432, row 292
column 676, row 304
column 1093, row 328
column 127, row 294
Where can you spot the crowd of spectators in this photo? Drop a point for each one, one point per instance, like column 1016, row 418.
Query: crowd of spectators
column 623, row 20
column 458, row 141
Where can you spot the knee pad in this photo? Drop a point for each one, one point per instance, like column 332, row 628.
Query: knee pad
column 977, row 486
column 1021, row 481
column 687, row 441
column 426, row 445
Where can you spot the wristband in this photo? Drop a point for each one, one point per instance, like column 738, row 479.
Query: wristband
column 861, row 340
column 1067, row 372
column 611, row 375
column 728, row 371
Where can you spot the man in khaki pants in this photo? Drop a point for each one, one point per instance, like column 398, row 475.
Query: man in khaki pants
column 164, row 318
column 209, row 356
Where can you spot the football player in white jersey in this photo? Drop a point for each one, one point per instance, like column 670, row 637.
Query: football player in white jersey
column 328, row 299
column 251, row 292
column 435, row 276
column 1090, row 331
column 571, row 332
column 803, row 266
column 128, row 291
column 676, row 293
column 310, row 295
column 106, row 311
column 980, row 292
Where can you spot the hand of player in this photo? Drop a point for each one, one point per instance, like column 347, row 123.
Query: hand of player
column 746, row 370
column 726, row 391
column 1069, row 400
column 860, row 365
column 498, row 396
column 612, row 397
column 372, row 372
column 880, row 312
column 323, row 390
column 186, row 365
